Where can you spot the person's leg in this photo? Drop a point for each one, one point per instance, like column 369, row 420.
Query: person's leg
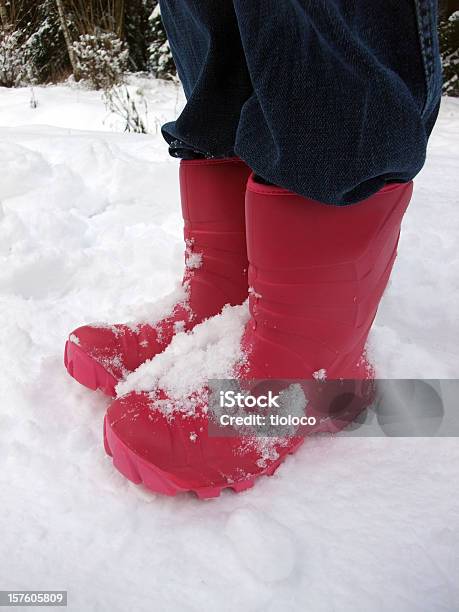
column 330, row 99
column 344, row 98
column 207, row 49
column 345, row 93
column 209, row 55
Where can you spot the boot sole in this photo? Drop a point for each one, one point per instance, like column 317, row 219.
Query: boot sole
column 142, row 472
column 139, row 471
column 85, row 370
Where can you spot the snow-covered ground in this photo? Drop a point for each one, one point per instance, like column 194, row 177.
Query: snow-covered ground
column 90, row 231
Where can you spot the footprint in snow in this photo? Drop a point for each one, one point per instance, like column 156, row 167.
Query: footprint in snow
column 264, row 546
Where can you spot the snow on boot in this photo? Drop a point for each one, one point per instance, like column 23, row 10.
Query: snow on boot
column 317, row 274
column 212, row 195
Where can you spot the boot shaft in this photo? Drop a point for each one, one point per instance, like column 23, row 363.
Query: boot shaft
column 316, row 276
column 213, row 203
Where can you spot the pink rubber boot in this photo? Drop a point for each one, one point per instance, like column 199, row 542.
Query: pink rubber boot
column 317, row 274
column 212, row 194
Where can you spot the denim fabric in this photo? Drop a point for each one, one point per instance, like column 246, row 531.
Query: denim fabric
column 331, row 99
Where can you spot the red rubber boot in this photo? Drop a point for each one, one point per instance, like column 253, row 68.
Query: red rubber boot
column 317, row 274
column 212, row 194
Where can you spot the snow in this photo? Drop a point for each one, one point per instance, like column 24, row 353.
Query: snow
column 210, row 352
column 73, row 107
column 320, row 374
column 90, row 231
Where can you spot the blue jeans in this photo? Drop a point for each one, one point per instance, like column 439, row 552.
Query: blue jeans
column 331, row 99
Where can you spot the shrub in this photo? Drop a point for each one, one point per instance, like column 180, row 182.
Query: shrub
column 16, row 63
column 449, row 45
column 160, row 62
column 102, row 59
